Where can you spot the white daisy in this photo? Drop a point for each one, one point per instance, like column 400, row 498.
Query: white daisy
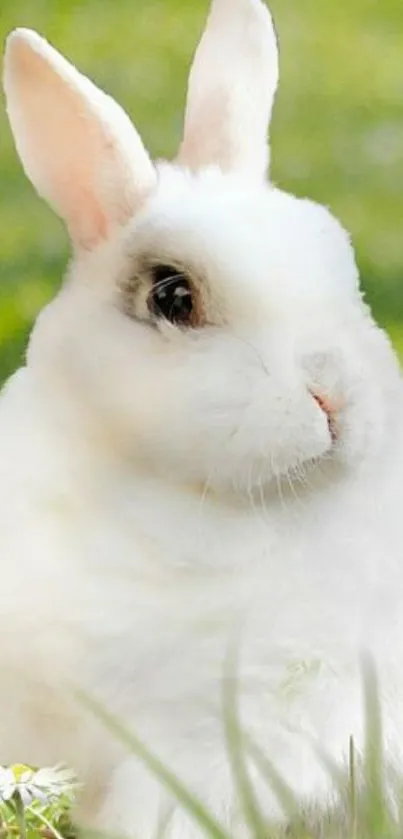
column 52, row 783
column 8, row 784
column 43, row 785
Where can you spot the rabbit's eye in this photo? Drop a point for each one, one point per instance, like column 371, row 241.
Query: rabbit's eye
column 171, row 296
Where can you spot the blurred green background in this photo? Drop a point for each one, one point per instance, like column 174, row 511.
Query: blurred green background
column 337, row 133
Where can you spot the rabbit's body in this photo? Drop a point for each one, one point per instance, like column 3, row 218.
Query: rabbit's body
column 192, row 450
column 130, row 586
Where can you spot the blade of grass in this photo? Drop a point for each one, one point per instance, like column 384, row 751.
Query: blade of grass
column 373, row 763
column 20, row 815
column 42, row 818
column 168, row 779
column 352, row 789
column 163, row 824
column 89, row 833
column 336, row 772
column 236, row 749
column 283, row 792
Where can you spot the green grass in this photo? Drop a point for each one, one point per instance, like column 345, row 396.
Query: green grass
column 366, row 798
column 36, row 805
column 337, row 132
column 361, row 793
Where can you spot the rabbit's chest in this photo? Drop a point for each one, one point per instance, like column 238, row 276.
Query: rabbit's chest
column 154, row 564
column 166, row 595
column 162, row 608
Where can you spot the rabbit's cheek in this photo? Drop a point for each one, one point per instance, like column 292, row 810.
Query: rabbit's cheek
column 277, row 434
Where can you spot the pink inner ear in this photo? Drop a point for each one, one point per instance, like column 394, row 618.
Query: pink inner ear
column 212, row 137
column 77, row 146
column 68, row 152
column 79, row 178
column 71, row 177
column 88, row 224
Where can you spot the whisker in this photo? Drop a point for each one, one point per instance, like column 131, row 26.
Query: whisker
column 255, row 351
column 291, row 484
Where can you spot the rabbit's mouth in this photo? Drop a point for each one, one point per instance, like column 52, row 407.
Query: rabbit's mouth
column 329, row 409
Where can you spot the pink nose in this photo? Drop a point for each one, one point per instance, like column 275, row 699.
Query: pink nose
column 329, row 409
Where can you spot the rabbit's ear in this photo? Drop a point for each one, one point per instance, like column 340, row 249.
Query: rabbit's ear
column 231, row 90
column 77, row 146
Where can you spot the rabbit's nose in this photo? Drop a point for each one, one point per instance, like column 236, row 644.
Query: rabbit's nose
column 329, row 408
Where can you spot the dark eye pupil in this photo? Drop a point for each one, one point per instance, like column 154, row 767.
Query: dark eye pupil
column 171, row 295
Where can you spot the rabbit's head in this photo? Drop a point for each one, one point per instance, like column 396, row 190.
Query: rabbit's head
column 212, row 322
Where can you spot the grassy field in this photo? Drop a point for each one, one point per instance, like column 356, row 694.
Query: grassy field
column 337, row 134
column 366, row 799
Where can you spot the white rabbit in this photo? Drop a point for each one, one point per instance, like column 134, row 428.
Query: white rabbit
column 207, row 434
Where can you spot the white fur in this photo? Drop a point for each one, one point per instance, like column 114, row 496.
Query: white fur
column 231, row 89
column 162, row 486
